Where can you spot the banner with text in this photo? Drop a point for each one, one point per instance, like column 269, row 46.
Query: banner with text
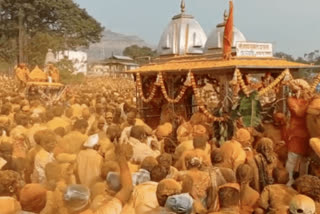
column 254, row 49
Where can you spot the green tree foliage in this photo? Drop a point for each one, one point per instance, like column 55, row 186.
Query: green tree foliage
column 63, row 20
column 313, row 57
column 140, row 54
column 249, row 109
column 285, row 56
column 66, row 69
column 38, row 45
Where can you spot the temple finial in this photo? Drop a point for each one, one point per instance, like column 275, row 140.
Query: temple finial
column 183, row 6
column 225, row 15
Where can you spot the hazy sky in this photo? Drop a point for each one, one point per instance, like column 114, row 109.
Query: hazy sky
column 293, row 26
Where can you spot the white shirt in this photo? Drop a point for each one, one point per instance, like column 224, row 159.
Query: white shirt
column 41, row 159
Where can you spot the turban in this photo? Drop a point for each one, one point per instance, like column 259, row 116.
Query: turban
column 92, row 141
column 33, row 197
column 180, row 203
column 76, row 197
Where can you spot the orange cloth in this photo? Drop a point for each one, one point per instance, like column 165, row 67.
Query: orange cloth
column 9, row 205
column 228, row 34
column 297, row 133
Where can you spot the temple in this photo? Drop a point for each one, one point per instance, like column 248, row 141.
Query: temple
column 188, row 63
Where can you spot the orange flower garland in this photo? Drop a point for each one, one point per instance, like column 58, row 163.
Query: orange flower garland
column 315, row 83
column 140, row 91
column 200, row 102
column 281, row 77
column 241, row 83
column 165, row 94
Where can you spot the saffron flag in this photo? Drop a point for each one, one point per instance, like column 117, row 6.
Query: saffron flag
column 228, row 34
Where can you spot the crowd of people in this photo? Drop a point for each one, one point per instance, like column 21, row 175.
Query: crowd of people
column 92, row 153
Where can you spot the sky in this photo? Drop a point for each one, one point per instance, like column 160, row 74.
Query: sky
column 292, row 26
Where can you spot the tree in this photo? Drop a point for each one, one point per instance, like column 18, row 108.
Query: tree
column 37, row 47
column 66, row 70
column 285, row 56
column 21, row 22
column 136, row 52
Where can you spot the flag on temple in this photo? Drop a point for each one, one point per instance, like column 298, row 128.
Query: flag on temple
column 228, row 34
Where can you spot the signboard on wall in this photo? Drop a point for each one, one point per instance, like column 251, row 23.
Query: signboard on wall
column 254, row 49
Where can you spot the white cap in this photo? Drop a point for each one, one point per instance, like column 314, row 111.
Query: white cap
column 92, row 141
column 301, row 204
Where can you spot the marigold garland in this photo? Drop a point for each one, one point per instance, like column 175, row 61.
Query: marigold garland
column 275, row 82
column 314, row 84
column 140, row 90
column 165, row 94
column 190, row 82
column 241, row 82
column 200, row 102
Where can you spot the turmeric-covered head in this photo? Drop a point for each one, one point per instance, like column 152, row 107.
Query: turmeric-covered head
column 243, row 136
column 33, row 198
column 10, row 182
column 166, row 188
column 148, row 163
column 244, row 174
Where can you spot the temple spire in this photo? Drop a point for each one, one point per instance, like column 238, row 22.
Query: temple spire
column 225, row 16
column 183, row 6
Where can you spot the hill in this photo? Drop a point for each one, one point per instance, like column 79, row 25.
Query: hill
column 112, row 42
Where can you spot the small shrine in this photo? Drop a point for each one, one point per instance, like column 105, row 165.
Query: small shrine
column 192, row 74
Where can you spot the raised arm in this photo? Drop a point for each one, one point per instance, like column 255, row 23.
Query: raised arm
column 125, row 176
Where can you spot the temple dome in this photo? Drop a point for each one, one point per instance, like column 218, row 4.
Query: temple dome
column 50, row 58
column 183, row 35
column 215, row 39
